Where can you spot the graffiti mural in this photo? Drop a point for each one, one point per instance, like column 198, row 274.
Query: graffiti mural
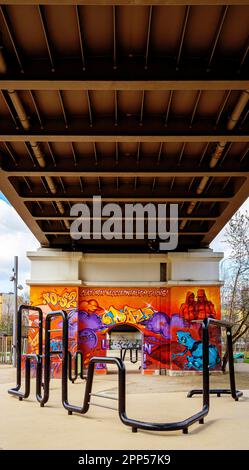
column 51, row 299
column 186, row 342
column 146, row 309
column 163, row 317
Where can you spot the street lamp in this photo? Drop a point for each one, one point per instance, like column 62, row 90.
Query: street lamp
column 14, row 279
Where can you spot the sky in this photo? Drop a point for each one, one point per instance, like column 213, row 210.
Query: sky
column 16, row 239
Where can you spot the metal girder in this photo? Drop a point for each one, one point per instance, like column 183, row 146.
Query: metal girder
column 186, row 217
column 125, row 2
column 142, row 134
column 228, row 212
column 67, row 232
column 152, row 84
column 20, row 207
column 150, row 173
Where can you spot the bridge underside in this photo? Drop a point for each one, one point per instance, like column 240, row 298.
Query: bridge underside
column 141, row 103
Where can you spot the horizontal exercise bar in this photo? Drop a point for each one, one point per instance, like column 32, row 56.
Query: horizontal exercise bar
column 103, row 396
column 102, row 406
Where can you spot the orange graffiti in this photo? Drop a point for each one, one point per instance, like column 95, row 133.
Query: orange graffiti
column 66, row 300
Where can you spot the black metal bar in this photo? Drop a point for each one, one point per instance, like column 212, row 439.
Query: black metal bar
column 44, row 399
column 134, row 360
column 78, row 372
column 232, row 391
column 133, row 423
column 16, row 390
column 108, row 397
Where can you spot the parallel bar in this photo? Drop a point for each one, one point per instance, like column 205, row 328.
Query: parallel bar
column 103, row 406
column 103, row 395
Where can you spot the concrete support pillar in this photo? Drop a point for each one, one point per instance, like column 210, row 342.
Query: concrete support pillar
column 159, row 294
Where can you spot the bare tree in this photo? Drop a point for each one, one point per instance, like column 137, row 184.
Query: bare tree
column 235, row 294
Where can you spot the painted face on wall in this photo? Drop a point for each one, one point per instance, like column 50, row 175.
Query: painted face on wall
column 88, row 338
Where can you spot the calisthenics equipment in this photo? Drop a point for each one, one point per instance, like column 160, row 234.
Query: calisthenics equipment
column 43, row 362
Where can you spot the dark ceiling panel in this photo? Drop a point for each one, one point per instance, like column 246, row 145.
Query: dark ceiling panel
column 137, row 84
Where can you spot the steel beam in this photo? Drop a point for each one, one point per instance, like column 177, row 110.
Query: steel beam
column 218, row 172
column 125, row 2
column 27, row 82
column 20, row 207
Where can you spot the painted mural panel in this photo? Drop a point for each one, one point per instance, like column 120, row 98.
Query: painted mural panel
column 161, row 315
column 147, row 309
column 50, row 298
column 195, row 303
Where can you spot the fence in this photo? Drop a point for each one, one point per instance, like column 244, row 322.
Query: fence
column 6, row 347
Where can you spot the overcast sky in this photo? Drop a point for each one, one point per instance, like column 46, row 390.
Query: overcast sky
column 16, row 239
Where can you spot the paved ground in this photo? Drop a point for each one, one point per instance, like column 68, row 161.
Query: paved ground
column 24, row 425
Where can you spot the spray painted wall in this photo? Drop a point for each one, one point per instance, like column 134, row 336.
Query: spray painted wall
column 162, row 315
column 50, row 298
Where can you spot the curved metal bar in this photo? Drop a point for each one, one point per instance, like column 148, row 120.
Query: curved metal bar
column 133, row 360
column 47, row 363
column 77, row 373
column 222, row 391
column 16, row 390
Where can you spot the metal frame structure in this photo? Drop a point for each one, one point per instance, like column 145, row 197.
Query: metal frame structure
column 121, row 398
column 223, row 391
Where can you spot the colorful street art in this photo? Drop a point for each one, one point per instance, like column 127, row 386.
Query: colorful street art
column 51, row 299
column 186, row 347
column 102, row 309
column 162, row 316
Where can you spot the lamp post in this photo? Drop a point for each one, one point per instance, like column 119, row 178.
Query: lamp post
column 14, row 278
